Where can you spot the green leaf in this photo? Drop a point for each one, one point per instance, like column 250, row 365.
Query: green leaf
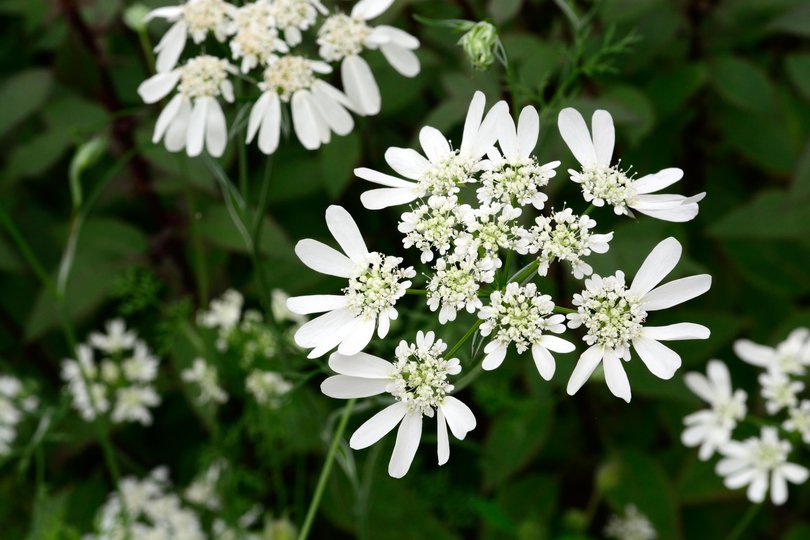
column 503, row 10
column 798, row 71
column 795, row 22
column 766, row 140
column 216, row 226
column 670, row 91
column 338, row 160
column 742, row 83
column 38, row 154
column 22, row 95
column 772, row 214
column 776, row 266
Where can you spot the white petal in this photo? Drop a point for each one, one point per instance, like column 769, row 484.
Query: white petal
column 507, row 137
column 698, row 384
column 376, row 427
column 753, row 353
column 528, row 130
column 322, row 328
column 383, row 325
column 676, row 292
column 397, row 36
column 604, row 136
column 339, row 120
column 369, row 9
column 166, row 12
column 443, row 449
column 168, row 114
column 675, row 211
column 544, row 361
column 758, row 488
column 796, row 474
column 178, row 128
column 196, row 128
column 345, row 230
column 361, row 365
column 434, row 144
column 158, row 86
column 401, row 59
column 316, row 303
column 677, row 331
column 658, row 181
column 662, row 361
column 408, row 436
column 407, row 162
column 556, row 344
column 324, row 259
column 381, row 178
column 216, row 132
column 358, row 335
column 459, row 417
column 585, row 365
column 495, row 353
column 488, row 132
column 575, row 134
column 472, row 122
column 377, row 199
column 170, row 47
column 346, row 387
column 660, row 262
column 615, row 376
column 257, row 114
column 779, row 489
column 271, row 126
column 359, row 84
column 718, row 374
column 306, row 122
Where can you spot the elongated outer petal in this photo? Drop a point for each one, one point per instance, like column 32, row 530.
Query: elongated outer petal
column 488, row 132
column 658, row 181
column 472, row 123
column 362, row 365
column 360, row 86
column 257, row 115
column 528, row 130
column 338, row 118
column 376, row 427
column 346, row 387
column 158, row 86
column 271, row 126
column 675, row 211
column 543, row 361
column 677, row 331
column 408, row 436
column 345, row 230
column 508, row 138
column 323, row 327
column 401, row 59
column 779, row 488
column 660, row 262
column 306, row 121
column 216, row 131
column 316, row 303
column 434, row 144
column 794, row 473
column 358, row 335
column 676, row 292
column 575, row 134
column 459, row 417
column 662, row 361
column 397, row 36
column 615, row 376
column 758, row 487
column 700, row 386
column 369, row 9
column 168, row 114
column 381, row 178
column 178, row 128
column 377, row 199
column 407, row 162
column 495, row 353
column 557, row 344
column 324, row 259
column 167, row 12
column 753, row 353
column 196, row 127
column 170, row 47
column 443, row 447
column 585, row 366
column 604, row 136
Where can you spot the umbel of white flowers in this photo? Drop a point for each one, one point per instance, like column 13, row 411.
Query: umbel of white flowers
column 464, row 249
column 263, row 37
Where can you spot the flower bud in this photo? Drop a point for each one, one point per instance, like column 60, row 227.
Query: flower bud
column 480, row 44
column 135, row 17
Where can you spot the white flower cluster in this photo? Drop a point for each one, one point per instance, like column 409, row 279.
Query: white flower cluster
column 761, row 463
column 631, row 525
column 261, row 36
column 16, row 402
column 206, row 379
column 120, row 383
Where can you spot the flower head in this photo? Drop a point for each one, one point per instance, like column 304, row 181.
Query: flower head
column 633, row 525
column 255, row 41
column 433, row 226
column 799, row 420
column 294, row 16
column 206, row 378
column 455, row 283
column 267, row 387
column 791, row 357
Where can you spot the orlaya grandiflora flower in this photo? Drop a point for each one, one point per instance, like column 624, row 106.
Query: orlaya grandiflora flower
column 192, row 118
column 317, row 107
column 603, row 183
column 376, row 282
column 195, row 18
column 291, row 17
column 255, row 41
column 442, row 169
column 614, row 317
column 418, row 382
column 791, row 357
column 343, row 37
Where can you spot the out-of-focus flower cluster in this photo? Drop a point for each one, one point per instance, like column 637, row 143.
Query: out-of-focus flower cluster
column 16, row 403
column 759, row 462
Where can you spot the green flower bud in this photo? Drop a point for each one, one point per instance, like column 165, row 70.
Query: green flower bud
column 480, row 44
column 134, row 17
column 280, row 529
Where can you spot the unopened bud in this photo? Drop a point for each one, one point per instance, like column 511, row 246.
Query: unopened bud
column 135, row 17
column 480, row 44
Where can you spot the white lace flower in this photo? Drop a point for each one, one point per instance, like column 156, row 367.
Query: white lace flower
column 376, row 282
column 614, row 315
column 799, row 420
column 317, row 107
column 278, row 305
column 418, row 382
column 521, row 316
column 565, row 237
column 488, row 229
column 444, row 169
column 791, row 357
column 342, row 38
column 455, row 283
column 294, row 16
column 267, row 387
column 206, row 379
column 133, row 404
column 711, row 428
column 633, row 525
column 433, row 226
column 195, row 18
column 255, row 40
column 516, row 177
column 193, row 118
column 116, row 340
column 223, row 313
column 142, row 366
column 15, row 404
column 779, row 391
column 605, row 184
column 760, row 463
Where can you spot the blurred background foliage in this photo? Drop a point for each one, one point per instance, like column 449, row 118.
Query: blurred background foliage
column 720, row 88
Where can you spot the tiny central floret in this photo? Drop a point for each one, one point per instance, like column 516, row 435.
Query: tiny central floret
column 288, row 75
column 204, row 16
column 203, row 76
column 292, row 13
column 432, row 226
column 601, row 184
column 254, row 37
column 612, row 316
column 377, row 287
column 445, row 176
column 341, row 36
column 420, row 379
column 768, row 454
column 490, row 228
column 516, row 181
column 520, row 316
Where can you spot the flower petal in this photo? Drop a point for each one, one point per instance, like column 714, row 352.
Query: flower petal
column 507, row 137
column 376, row 427
column 358, row 335
column 472, row 122
column 676, row 292
column 362, row 365
column 495, row 353
column 401, row 59
column 346, row 387
column 575, row 134
column 321, row 328
column 338, row 118
column 381, row 178
column 257, row 115
column 216, row 132
column 662, row 361
column 167, row 115
column 369, row 9
column 615, row 376
column 324, row 259
column 377, row 199
column 271, row 126
column 407, row 162
column 196, row 128
column 556, row 344
column 434, row 144
column 359, row 84
column 753, row 353
column 306, row 122
column 459, row 417
column 158, row 86
column 528, row 130
column 170, row 47
column 660, row 262
column 543, row 361
column 316, row 303
column 677, row 331
column 585, row 365
column 345, row 230
column 604, row 136
column 408, row 436
column 443, row 447
column 658, row 181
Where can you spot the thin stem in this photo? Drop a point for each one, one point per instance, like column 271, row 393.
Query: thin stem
column 588, row 210
column 242, row 153
column 463, row 339
column 29, row 256
column 200, row 267
column 743, row 524
column 560, row 309
column 325, row 471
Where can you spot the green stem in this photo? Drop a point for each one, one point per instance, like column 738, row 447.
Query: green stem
column 527, row 271
column 560, row 309
column 200, row 267
column 743, row 524
column 588, row 210
column 29, row 256
column 325, row 471
column 463, row 339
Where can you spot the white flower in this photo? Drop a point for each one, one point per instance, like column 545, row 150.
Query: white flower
column 132, row 404
column 443, row 169
column 278, row 305
column 521, row 316
column 317, row 107
column 74, row 373
column 487, row 230
column 565, row 237
column 203, row 489
column 633, row 525
column 116, row 340
column 15, row 403
column 293, row 16
column 418, row 381
column 602, row 183
column 193, row 118
column 711, row 428
column 614, row 316
column 760, row 463
column 799, row 420
column 207, row 380
column 791, row 357
column 255, row 41
column 195, row 18
column 779, row 391
column 376, row 282
column 432, row 226
column 267, row 387
column 516, row 178
column 342, row 38
column 142, row 366
column 455, row 283
column 223, row 313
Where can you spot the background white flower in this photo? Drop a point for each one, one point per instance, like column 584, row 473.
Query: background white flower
column 792, row 356
column 206, row 379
